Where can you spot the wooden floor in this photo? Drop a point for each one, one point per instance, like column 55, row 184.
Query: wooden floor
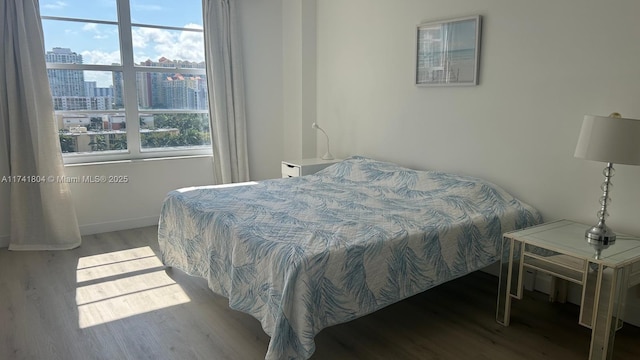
column 113, row 299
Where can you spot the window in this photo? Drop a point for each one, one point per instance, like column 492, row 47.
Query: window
column 127, row 78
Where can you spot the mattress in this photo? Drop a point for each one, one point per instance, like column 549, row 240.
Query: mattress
column 304, row 253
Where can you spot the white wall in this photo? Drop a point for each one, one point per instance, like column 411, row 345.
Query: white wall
column 102, row 207
column 299, row 78
column 262, row 43
column 544, row 65
column 105, row 207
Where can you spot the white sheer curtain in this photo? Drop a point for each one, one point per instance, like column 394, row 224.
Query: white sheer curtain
column 42, row 213
column 226, row 91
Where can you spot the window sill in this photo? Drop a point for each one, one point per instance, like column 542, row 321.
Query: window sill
column 137, row 161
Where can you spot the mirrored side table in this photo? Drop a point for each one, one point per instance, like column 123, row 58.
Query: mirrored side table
column 560, row 250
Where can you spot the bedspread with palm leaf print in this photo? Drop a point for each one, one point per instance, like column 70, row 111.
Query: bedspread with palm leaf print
column 304, row 253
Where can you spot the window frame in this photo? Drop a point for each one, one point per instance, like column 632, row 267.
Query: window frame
column 131, row 110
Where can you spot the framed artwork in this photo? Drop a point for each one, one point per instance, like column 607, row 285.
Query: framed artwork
column 448, row 52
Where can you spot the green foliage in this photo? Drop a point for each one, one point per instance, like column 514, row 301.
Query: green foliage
column 67, row 144
column 166, row 139
column 182, row 122
column 99, row 143
column 193, row 130
column 117, row 142
column 181, row 130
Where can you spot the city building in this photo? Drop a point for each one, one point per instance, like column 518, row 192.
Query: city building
column 65, row 82
column 69, row 89
column 161, row 90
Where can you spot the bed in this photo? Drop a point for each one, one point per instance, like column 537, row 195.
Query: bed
column 305, row 253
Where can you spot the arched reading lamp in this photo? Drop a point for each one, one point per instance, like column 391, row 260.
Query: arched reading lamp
column 612, row 139
column 328, row 155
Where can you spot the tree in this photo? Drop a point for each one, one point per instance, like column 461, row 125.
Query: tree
column 98, row 143
column 67, row 144
column 193, row 130
column 117, row 142
column 182, row 122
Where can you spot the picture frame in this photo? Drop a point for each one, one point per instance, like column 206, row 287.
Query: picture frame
column 448, row 52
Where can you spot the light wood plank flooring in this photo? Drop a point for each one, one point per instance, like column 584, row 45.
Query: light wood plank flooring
column 113, row 299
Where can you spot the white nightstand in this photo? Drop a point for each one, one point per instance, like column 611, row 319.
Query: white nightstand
column 301, row 167
column 559, row 249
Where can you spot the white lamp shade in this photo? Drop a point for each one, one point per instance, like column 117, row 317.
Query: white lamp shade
column 609, row 139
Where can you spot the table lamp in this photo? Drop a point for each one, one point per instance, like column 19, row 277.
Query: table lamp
column 328, row 155
column 612, row 139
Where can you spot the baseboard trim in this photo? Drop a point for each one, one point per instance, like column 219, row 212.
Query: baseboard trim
column 103, row 227
column 117, row 225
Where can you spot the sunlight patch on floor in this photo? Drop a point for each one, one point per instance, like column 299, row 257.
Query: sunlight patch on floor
column 117, row 285
column 115, row 257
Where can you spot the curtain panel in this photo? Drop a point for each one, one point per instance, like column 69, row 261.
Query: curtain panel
column 42, row 215
column 226, row 91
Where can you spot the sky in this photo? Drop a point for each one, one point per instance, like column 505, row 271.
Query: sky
column 99, row 43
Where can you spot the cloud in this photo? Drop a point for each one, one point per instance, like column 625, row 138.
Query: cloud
column 102, row 78
column 90, row 27
column 100, row 31
column 194, row 26
column 101, row 57
column 142, row 37
column 191, row 47
column 55, row 5
column 150, row 43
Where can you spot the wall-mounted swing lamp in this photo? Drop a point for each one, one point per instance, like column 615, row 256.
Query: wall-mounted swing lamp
column 328, row 155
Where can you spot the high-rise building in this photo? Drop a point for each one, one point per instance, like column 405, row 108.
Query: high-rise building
column 89, row 88
column 103, row 91
column 118, row 89
column 184, row 92
column 165, row 90
column 155, row 90
column 65, row 82
column 68, row 88
column 82, row 102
